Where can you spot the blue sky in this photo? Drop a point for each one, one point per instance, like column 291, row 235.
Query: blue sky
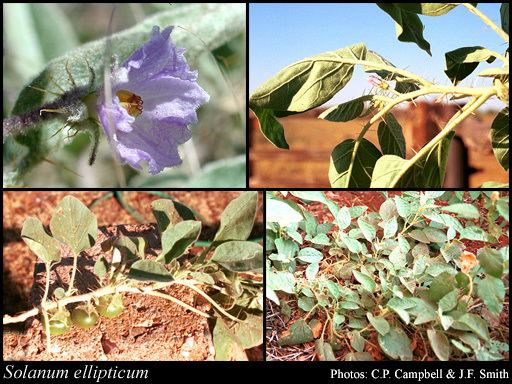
column 280, row 34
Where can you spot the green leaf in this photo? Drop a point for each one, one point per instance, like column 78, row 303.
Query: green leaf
column 343, row 218
column 504, row 16
column 342, row 175
column 282, row 213
column 270, row 127
column 299, row 333
column 380, row 324
column 308, row 83
column 347, row 111
column 492, row 291
column 321, row 239
column 463, row 210
column 239, row 256
column 249, row 332
column 74, row 224
column 449, row 301
column 499, row 137
column 214, row 24
column 149, row 270
column 366, row 281
column 310, row 255
column 440, row 344
column 281, row 281
column 425, row 171
column 39, row 242
column 427, row 9
column 435, row 235
column 388, row 210
column 227, row 345
column 130, row 247
column 476, row 324
column 367, row 229
column 417, row 234
column 352, row 244
column 441, row 285
column 101, row 267
column 398, row 258
column 176, row 240
column 409, row 27
column 396, row 344
column 462, row 61
column 306, row 303
column 491, row 261
column 324, row 351
column 390, row 227
column 165, row 213
column 312, row 270
column 237, row 220
column 391, row 138
column 475, row 233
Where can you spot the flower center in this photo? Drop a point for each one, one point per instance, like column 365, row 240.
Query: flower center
column 130, row 101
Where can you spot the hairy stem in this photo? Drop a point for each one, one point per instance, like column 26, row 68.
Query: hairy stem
column 210, row 300
column 487, row 21
column 73, row 274
column 450, row 126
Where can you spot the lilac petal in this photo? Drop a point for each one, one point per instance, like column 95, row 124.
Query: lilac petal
column 119, row 116
column 170, row 97
column 157, row 56
column 156, row 144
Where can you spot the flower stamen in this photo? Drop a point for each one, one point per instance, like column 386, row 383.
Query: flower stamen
column 130, row 101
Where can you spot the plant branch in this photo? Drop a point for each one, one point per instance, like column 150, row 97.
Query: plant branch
column 73, row 274
column 467, row 110
column 409, row 96
column 487, row 21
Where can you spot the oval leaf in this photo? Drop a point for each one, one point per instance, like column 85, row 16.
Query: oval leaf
column 239, row 256
column 341, row 175
column 308, row 83
column 391, row 138
column 39, row 242
column 149, row 270
column 270, row 127
column 462, row 61
column 176, row 240
column 396, row 344
column 440, row 344
column 165, row 213
column 499, row 137
column 347, row 111
column 237, row 220
column 74, row 224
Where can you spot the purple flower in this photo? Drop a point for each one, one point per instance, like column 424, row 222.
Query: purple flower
column 154, row 98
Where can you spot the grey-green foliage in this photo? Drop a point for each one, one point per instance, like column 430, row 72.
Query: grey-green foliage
column 239, row 256
column 237, row 220
column 310, row 82
column 165, row 213
column 42, row 244
column 176, row 239
column 74, row 224
column 214, row 24
column 398, row 271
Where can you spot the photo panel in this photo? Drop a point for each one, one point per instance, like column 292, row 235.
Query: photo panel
column 133, row 275
column 387, row 275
